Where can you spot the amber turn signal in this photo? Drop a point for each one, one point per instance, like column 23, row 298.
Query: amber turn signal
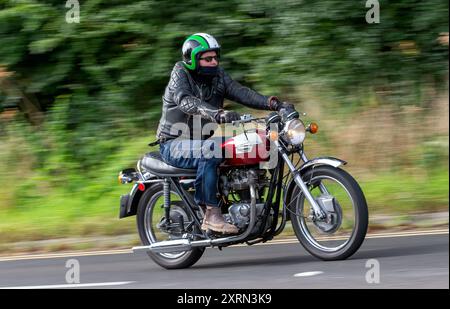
column 273, row 136
column 121, row 179
column 313, row 128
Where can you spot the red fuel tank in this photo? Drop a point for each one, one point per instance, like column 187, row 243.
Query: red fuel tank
column 246, row 149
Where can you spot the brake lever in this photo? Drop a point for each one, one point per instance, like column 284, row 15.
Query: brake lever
column 244, row 118
column 235, row 122
column 242, row 121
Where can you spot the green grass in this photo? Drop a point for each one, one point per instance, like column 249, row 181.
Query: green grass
column 401, row 193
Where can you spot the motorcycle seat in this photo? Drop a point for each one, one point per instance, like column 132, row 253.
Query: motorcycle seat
column 153, row 163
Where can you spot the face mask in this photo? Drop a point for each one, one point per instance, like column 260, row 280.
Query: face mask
column 209, row 71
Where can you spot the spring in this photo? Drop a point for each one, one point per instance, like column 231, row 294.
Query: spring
column 166, row 190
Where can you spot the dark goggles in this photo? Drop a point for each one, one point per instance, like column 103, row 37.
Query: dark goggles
column 210, row 58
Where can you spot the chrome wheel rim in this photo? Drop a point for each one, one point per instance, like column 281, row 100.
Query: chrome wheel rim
column 314, row 232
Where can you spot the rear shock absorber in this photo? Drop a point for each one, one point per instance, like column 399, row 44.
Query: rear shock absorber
column 166, row 191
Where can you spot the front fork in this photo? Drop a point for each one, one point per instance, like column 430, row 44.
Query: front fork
column 318, row 212
column 322, row 187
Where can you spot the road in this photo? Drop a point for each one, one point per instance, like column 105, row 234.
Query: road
column 404, row 261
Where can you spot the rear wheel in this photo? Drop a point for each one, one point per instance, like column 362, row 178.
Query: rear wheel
column 152, row 227
column 342, row 232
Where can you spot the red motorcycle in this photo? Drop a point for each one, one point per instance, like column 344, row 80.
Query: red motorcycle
column 258, row 194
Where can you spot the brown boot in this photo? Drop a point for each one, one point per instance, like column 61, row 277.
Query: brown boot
column 214, row 221
column 204, row 210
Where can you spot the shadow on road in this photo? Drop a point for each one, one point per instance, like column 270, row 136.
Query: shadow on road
column 363, row 254
column 237, row 262
column 401, row 251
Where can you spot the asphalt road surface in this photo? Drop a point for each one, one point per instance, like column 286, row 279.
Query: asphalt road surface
column 403, row 261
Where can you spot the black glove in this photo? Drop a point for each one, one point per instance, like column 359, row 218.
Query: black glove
column 276, row 105
column 227, row 117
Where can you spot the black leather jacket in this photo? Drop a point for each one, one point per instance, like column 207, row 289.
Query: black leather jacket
column 190, row 103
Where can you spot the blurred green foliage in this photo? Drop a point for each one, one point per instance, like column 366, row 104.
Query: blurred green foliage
column 122, row 51
column 97, row 78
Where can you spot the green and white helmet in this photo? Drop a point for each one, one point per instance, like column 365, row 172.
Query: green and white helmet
column 195, row 45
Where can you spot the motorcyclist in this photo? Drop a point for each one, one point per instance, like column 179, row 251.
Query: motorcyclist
column 193, row 100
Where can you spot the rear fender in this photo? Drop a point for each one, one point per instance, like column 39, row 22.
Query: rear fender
column 129, row 202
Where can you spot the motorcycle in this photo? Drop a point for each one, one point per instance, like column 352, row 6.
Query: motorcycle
column 260, row 189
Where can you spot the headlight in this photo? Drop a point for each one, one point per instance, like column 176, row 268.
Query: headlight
column 295, row 131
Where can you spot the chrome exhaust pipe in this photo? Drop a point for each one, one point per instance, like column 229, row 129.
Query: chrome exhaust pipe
column 176, row 245
column 166, row 246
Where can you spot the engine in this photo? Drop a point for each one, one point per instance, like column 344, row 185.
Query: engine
column 239, row 214
column 235, row 186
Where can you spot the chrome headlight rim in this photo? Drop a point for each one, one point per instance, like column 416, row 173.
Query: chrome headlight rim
column 294, row 131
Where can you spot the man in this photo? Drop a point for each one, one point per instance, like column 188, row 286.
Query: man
column 193, row 99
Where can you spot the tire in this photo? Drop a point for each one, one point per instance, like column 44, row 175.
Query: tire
column 360, row 217
column 187, row 259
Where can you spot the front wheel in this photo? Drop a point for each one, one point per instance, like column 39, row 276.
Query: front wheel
column 341, row 232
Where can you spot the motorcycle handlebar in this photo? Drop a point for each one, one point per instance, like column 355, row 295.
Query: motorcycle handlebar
column 245, row 119
column 249, row 118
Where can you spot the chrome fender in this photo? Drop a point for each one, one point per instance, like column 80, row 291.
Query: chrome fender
column 334, row 162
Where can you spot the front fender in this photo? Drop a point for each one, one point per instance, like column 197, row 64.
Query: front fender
column 335, row 162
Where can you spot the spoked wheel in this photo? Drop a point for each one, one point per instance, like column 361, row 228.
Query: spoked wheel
column 342, row 231
column 153, row 227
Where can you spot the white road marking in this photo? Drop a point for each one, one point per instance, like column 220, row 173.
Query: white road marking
column 290, row 240
column 61, row 286
column 61, row 255
column 308, row 274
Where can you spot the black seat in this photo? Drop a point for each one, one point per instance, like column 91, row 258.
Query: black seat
column 153, row 163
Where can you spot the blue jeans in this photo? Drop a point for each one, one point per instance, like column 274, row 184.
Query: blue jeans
column 203, row 155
